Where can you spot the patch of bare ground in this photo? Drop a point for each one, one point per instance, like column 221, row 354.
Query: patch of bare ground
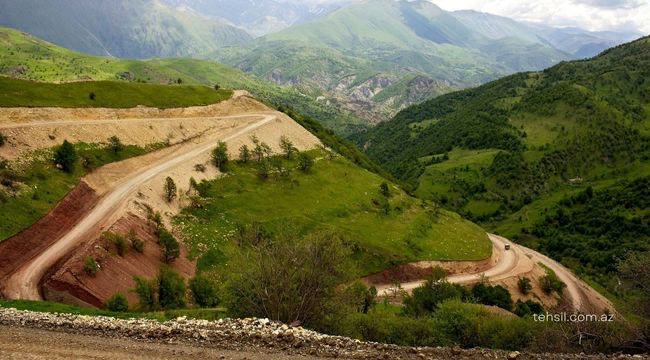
column 71, row 284
column 29, row 243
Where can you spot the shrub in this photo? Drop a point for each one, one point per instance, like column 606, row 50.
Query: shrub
column 551, row 283
column 137, row 244
column 90, row 266
column 117, row 303
column 287, row 147
column 524, row 285
column 220, row 156
column 147, row 293
column 263, row 169
column 528, row 308
column 244, row 154
column 170, row 189
column 3, row 139
column 171, row 289
column 217, row 87
column 115, row 144
column 200, row 167
column 305, row 162
column 155, row 218
column 91, row 96
column 425, row 299
column 171, row 247
column 118, row 240
column 66, row 156
column 204, row 292
column 492, row 295
column 384, row 189
column 179, row 81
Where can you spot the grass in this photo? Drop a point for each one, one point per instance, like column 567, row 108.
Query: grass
column 42, row 185
column 109, row 94
column 335, row 195
column 161, row 316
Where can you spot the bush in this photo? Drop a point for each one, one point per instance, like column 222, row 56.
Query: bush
column 263, row 169
column 90, row 266
column 244, row 154
column 91, row 96
column 171, row 289
column 170, row 189
column 524, row 285
column 384, row 189
column 116, row 239
column 147, row 293
column 305, row 162
column 66, row 156
column 3, row 139
column 204, row 292
column 287, row 147
column 115, row 144
column 551, row 283
column 137, row 244
column 425, row 299
column 220, row 156
column 117, row 303
column 217, row 87
column 528, row 308
column 492, row 295
column 171, row 247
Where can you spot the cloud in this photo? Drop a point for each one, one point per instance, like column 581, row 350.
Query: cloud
column 595, row 15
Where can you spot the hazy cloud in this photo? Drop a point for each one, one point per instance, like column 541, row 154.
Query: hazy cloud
column 596, row 15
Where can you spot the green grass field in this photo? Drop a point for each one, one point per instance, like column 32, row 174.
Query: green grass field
column 109, row 94
column 38, row 186
column 335, row 195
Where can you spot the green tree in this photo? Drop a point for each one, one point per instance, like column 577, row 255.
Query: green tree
column 551, row 283
column 204, row 292
column 170, row 189
column 244, row 154
column 179, row 81
column 91, row 96
column 90, row 266
column 220, row 156
column 171, row 289
column 117, row 303
column 263, row 169
column 287, row 147
column 525, row 286
column 118, row 240
column 147, row 293
column 305, row 162
column 171, row 247
column 217, row 87
column 384, row 189
column 115, row 144
column 66, row 156
column 136, row 243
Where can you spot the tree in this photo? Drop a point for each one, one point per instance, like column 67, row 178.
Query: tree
column 66, row 156
column 305, row 162
column 288, row 279
column 384, row 190
column 115, row 144
column 170, row 189
column 263, row 169
column 137, row 244
column 525, row 286
column 117, row 240
column 244, row 154
column 220, row 156
column 90, row 266
column 551, row 283
column 287, row 147
column 217, row 87
column 117, row 303
column 91, row 96
column 204, row 292
column 634, row 270
column 179, row 81
column 147, row 293
column 3, row 139
column 171, row 289
column 171, row 247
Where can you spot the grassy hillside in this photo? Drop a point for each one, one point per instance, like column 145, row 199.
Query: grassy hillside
column 25, row 57
column 109, row 94
column 514, row 154
column 338, row 196
column 130, row 29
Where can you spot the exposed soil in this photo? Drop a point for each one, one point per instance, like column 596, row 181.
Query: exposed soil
column 31, row 242
column 71, row 282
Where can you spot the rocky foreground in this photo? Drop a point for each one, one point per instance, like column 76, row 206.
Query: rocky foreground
column 262, row 335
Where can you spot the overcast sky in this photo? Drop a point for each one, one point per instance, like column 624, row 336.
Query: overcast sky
column 596, row 15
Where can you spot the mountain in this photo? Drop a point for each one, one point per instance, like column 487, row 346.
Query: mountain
column 259, row 17
column 558, row 159
column 25, row 57
column 356, row 55
column 122, row 28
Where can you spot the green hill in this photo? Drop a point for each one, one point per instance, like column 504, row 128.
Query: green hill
column 335, row 56
column 555, row 158
column 25, row 57
column 130, row 29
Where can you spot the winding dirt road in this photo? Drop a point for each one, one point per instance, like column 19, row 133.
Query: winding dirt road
column 520, row 260
column 23, row 284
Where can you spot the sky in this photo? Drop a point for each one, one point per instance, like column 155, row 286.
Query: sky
column 594, row 15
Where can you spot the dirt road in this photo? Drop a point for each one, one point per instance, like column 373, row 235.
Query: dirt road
column 23, row 343
column 520, row 260
column 23, row 284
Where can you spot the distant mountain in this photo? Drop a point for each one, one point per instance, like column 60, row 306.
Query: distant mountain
column 358, row 55
column 122, row 28
column 259, row 17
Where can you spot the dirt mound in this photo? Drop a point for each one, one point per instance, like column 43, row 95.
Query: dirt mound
column 71, row 284
column 26, row 245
